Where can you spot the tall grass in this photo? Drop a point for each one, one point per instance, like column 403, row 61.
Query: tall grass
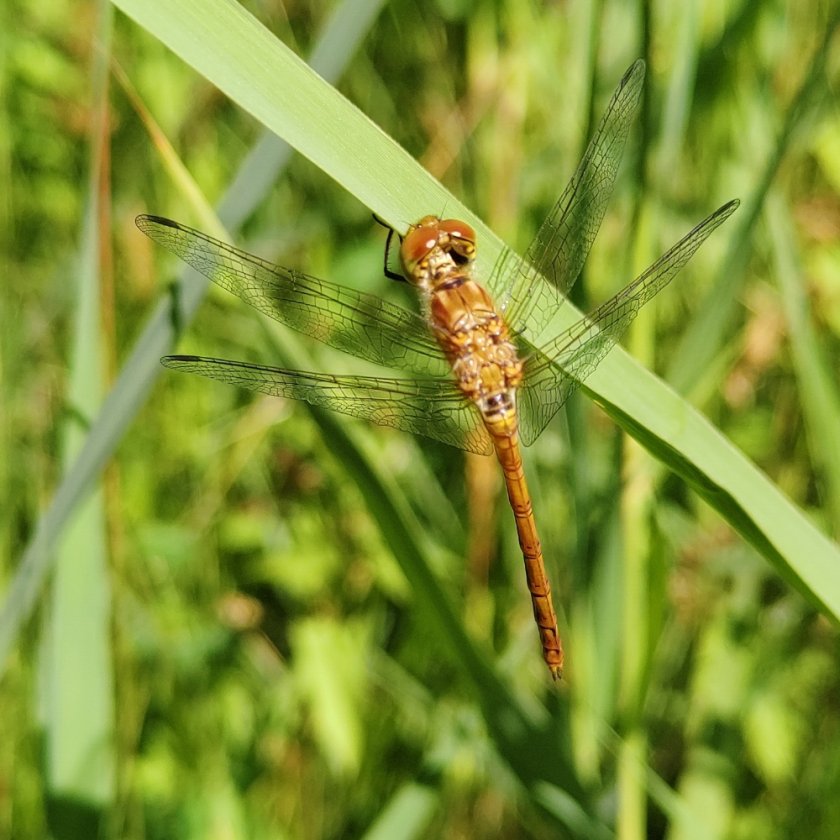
column 298, row 645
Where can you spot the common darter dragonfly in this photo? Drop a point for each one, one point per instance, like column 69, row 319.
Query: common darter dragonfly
column 476, row 382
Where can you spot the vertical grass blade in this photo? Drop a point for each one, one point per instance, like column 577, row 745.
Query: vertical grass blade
column 817, row 380
column 77, row 691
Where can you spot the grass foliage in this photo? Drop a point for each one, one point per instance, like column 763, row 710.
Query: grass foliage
column 229, row 616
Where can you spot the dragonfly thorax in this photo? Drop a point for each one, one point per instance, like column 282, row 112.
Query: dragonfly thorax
column 437, row 256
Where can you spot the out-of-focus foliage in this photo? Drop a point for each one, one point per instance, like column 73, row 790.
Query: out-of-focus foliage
column 273, row 676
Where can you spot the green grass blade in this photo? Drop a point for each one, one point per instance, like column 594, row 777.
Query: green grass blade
column 817, row 379
column 77, row 691
column 689, row 444
column 242, row 58
column 406, row 815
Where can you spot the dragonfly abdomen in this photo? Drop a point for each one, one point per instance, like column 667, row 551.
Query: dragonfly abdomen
column 507, row 451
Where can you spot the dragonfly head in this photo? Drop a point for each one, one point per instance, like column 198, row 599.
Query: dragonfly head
column 433, row 241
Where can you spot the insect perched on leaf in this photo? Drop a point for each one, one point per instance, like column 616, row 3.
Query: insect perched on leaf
column 475, row 385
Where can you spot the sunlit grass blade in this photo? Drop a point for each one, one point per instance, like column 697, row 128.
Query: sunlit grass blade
column 681, row 81
column 77, row 689
column 642, row 589
column 817, row 379
column 406, row 815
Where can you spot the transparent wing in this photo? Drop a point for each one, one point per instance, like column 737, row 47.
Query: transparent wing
column 554, row 372
column 562, row 243
column 357, row 323
column 434, row 408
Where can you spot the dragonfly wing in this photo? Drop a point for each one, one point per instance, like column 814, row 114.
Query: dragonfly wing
column 562, row 243
column 360, row 324
column 434, row 408
column 552, row 374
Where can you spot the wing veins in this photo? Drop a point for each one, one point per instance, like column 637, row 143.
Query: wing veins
column 434, row 408
column 558, row 368
column 354, row 322
column 554, row 259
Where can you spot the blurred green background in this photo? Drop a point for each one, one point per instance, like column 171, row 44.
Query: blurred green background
column 266, row 622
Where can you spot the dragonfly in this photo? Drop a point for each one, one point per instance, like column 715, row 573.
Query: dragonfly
column 477, row 380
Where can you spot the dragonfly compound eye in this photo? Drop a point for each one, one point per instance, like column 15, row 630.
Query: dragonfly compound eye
column 417, row 245
column 461, row 237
